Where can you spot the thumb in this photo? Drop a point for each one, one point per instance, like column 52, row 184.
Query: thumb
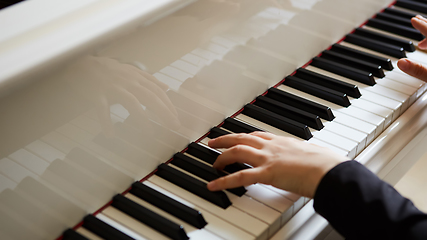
column 413, row 68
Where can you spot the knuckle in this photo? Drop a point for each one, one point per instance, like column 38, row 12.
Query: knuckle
column 418, row 70
column 236, row 149
column 241, row 136
column 240, row 177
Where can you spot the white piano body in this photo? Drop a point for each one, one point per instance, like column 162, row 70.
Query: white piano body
column 132, row 82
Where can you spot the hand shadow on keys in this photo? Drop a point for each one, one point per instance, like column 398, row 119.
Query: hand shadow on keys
column 104, row 81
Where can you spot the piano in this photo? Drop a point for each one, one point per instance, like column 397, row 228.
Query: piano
column 106, row 107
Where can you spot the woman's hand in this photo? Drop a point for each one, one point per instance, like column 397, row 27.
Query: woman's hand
column 408, row 66
column 282, row 162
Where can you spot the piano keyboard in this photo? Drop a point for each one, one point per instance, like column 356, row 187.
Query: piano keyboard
column 343, row 99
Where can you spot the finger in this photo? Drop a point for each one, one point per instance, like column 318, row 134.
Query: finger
column 241, row 154
column 238, row 179
column 423, row 44
column 155, row 104
column 159, row 92
column 413, row 68
column 231, row 140
column 263, row 135
column 420, row 23
column 420, row 17
column 103, row 112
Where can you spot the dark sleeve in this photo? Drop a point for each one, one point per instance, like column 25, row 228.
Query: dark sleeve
column 361, row 206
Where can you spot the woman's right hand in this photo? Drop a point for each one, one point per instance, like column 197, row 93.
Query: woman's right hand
column 283, row 162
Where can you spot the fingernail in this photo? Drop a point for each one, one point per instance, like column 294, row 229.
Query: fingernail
column 403, row 64
column 420, row 17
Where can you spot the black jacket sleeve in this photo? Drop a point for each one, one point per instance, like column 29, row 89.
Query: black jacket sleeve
column 361, row 206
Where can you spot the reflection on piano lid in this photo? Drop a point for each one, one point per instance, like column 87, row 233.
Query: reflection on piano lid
column 96, row 95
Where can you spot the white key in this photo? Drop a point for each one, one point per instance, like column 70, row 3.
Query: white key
column 259, row 210
column 394, row 105
column 367, row 117
column 263, row 126
column 119, row 227
column 327, row 145
column 356, row 124
column 297, row 199
column 405, row 79
column 131, row 224
column 231, row 214
column 216, row 224
column 376, row 109
column 399, row 87
column 191, row 231
column 272, row 199
column 250, row 206
column 327, row 137
column 88, row 234
column 347, row 132
column 378, row 89
column 361, row 127
column 338, row 141
column 397, row 74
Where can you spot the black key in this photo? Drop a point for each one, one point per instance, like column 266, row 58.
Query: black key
column 412, row 5
column 193, row 185
column 337, row 85
column 102, row 229
column 388, row 49
column 375, row 69
column 149, row 218
column 238, row 127
column 395, row 28
column 217, row 132
column 385, row 63
column 317, row 90
column 322, row 111
column 202, row 171
column 167, row 204
column 209, row 156
column 394, row 19
column 345, row 71
column 406, row 44
column 70, row 234
column 290, row 112
column 399, row 13
column 280, row 122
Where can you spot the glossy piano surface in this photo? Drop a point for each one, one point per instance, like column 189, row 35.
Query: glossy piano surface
column 96, row 94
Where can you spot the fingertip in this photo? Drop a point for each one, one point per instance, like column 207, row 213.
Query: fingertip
column 420, row 17
column 212, row 186
column 211, row 143
column 404, row 64
column 423, row 44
